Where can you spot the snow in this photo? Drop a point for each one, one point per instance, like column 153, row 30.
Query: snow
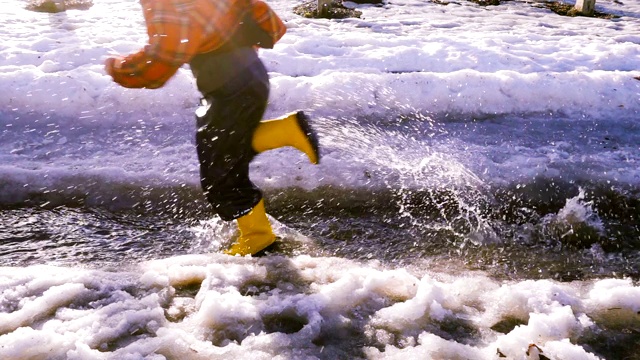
column 69, row 129
column 88, row 311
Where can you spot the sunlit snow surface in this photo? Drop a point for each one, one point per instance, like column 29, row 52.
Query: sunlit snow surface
column 478, row 196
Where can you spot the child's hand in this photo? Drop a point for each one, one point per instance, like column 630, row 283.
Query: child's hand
column 109, row 65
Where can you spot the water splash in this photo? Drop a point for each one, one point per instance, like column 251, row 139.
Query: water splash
column 576, row 224
column 433, row 190
column 214, row 235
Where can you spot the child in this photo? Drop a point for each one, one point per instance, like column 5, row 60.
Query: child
column 219, row 40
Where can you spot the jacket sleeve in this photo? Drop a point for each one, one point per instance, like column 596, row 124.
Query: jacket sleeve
column 171, row 44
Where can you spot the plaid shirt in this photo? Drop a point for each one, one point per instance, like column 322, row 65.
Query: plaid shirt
column 180, row 29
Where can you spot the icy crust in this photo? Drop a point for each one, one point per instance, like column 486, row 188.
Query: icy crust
column 219, row 307
column 126, row 166
column 125, row 161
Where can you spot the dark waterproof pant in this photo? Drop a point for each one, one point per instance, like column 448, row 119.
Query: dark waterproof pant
column 223, row 141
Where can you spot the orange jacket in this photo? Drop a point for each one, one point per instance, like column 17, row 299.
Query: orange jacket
column 180, row 29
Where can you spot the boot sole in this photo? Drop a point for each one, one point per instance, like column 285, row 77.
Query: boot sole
column 303, row 121
column 269, row 250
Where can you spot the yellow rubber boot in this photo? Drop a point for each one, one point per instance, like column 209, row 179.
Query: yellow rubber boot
column 255, row 232
column 290, row 130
